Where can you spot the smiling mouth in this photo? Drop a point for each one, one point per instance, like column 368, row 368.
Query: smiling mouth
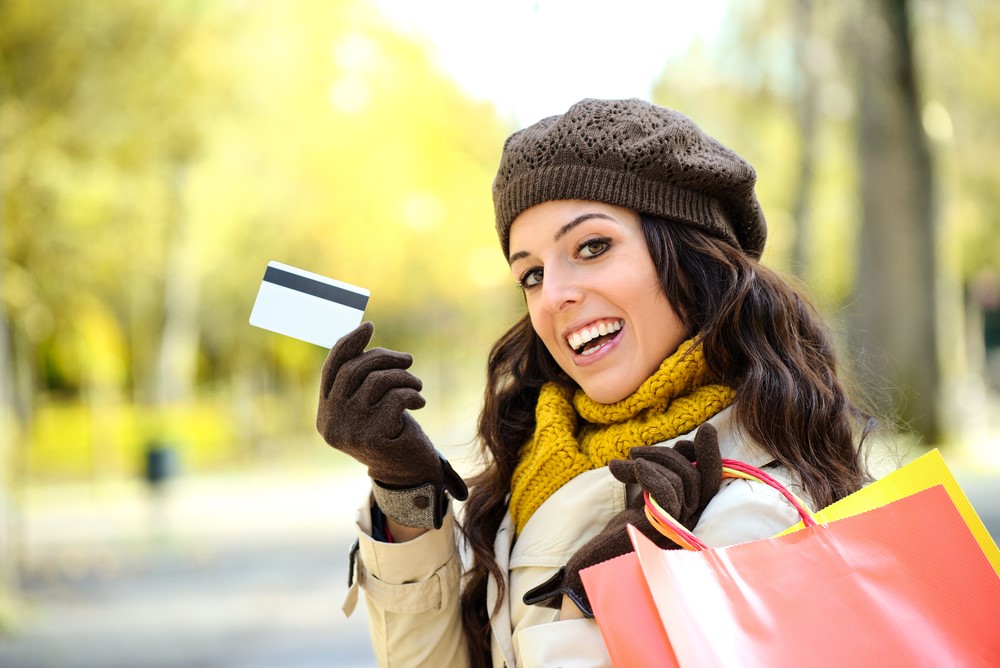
column 588, row 340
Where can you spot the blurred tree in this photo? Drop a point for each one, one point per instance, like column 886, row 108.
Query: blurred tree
column 895, row 317
column 774, row 65
column 773, row 86
column 959, row 48
column 156, row 156
column 806, row 83
column 958, row 51
column 8, row 551
column 367, row 165
column 98, row 97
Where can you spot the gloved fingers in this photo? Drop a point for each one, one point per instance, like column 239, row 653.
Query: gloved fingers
column 378, row 385
column 347, row 348
column 354, row 372
column 623, row 470
column 377, row 359
column 663, row 456
column 686, row 448
column 398, row 399
column 668, row 475
column 703, row 452
column 410, row 435
column 387, row 419
column 706, row 447
column 669, row 489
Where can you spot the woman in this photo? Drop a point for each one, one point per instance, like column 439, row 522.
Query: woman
column 650, row 322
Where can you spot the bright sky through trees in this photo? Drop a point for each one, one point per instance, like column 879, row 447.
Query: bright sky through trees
column 533, row 58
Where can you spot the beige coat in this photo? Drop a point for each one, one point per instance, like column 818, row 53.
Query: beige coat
column 411, row 589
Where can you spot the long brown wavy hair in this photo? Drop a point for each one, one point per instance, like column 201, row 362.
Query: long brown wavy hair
column 760, row 335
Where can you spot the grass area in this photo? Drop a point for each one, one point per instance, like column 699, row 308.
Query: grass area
column 74, row 440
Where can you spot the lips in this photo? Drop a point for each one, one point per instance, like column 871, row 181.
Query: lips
column 579, row 339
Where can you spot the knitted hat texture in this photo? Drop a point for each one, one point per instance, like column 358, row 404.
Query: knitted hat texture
column 633, row 154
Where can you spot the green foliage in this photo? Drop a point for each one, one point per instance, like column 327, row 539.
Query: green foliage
column 142, row 142
column 777, row 61
column 155, row 156
column 70, row 439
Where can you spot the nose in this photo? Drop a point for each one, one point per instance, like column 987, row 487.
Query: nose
column 560, row 290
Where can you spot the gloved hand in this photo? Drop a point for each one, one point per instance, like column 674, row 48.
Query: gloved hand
column 671, row 476
column 363, row 402
column 682, row 479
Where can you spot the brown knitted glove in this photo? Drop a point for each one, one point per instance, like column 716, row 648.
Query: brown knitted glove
column 671, row 477
column 363, row 402
column 682, row 479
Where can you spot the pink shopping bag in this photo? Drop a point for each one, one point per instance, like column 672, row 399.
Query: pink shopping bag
column 905, row 584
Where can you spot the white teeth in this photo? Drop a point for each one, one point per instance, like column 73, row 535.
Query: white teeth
column 579, row 338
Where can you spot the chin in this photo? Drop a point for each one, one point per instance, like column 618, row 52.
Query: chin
column 602, row 394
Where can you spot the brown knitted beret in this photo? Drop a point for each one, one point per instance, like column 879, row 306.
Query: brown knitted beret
column 633, row 154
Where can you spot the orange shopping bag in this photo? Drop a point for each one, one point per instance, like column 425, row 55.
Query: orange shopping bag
column 904, row 584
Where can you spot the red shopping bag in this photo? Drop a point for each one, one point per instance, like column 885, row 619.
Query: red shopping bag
column 623, row 604
column 905, row 584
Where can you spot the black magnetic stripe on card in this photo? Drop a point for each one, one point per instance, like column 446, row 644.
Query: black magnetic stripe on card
column 309, row 286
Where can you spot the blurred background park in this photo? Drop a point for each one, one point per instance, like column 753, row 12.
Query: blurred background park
column 155, row 155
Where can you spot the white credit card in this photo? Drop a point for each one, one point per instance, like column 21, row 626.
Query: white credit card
column 307, row 306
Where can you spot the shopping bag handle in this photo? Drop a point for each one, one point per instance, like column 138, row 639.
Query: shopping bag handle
column 667, row 525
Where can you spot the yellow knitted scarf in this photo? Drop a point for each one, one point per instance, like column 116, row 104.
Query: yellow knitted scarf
column 574, row 433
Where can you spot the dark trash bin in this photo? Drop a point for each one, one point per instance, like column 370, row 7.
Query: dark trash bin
column 161, row 464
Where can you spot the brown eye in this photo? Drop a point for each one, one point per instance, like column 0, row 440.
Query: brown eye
column 593, row 247
column 530, row 279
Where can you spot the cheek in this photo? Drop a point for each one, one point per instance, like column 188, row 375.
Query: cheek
column 665, row 330
column 541, row 324
column 668, row 331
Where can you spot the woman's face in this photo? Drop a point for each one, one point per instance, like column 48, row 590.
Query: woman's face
column 593, row 294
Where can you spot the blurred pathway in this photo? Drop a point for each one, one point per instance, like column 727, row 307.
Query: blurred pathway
column 244, row 570
column 239, row 571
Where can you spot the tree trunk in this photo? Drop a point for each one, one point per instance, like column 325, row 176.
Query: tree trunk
column 805, row 120
column 895, row 328
column 176, row 364
column 8, row 548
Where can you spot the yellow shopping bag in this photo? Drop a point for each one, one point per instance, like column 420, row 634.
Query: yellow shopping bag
column 922, row 473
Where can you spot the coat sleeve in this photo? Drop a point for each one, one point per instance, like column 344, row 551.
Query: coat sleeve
column 412, row 597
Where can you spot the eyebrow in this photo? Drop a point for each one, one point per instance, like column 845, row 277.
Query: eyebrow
column 563, row 231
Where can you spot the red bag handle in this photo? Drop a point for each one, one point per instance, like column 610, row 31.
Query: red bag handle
column 731, row 468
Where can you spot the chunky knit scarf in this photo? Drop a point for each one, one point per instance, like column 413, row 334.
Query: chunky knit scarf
column 574, row 433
